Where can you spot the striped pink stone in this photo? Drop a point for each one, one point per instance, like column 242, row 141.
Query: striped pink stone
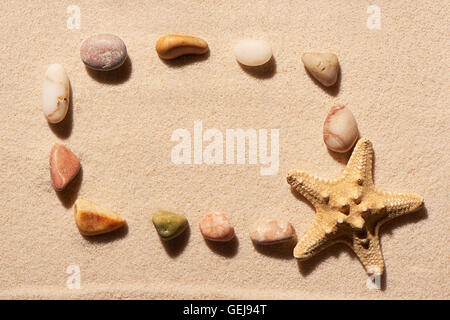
column 340, row 130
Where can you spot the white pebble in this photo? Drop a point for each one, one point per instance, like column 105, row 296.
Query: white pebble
column 340, row 130
column 56, row 93
column 253, row 52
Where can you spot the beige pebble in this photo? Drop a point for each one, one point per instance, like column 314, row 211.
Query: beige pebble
column 323, row 66
column 252, row 53
column 92, row 219
column 172, row 46
column 340, row 130
column 216, row 227
column 64, row 166
column 271, row 231
column 55, row 93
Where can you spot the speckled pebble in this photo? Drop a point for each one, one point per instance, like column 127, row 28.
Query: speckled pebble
column 271, row 231
column 216, row 227
column 103, row 52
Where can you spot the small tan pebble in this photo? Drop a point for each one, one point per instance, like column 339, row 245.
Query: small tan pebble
column 103, row 52
column 340, row 130
column 252, row 53
column 271, row 231
column 92, row 219
column 323, row 66
column 216, row 227
column 64, row 166
column 172, row 46
column 55, row 93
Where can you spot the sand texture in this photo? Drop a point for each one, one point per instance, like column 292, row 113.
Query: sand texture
column 395, row 81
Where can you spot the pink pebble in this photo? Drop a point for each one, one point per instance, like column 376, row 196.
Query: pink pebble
column 216, row 227
column 271, row 231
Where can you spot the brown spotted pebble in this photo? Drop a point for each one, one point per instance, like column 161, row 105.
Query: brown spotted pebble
column 64, row 166
column 103, row 52
column 216, row 227
column 271, row 231
column 92, row 219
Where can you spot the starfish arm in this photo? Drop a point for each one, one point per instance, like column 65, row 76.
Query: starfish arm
column 398, row 204
column 359, row 167
column 313, row 241
column 312, row 188
column 369, row 253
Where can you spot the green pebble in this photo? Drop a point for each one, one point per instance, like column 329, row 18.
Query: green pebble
column 169, row 225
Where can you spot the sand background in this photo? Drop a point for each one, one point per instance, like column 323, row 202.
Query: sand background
column 395, row 81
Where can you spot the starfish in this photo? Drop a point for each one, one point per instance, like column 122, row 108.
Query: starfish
column 350, row 209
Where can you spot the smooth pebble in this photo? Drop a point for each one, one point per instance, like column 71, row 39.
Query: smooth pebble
column 253, row 52
column 216, row 227
column 172, row 46
column 340, row 130
column 92, row 219
column 55, row 93
column 323, row 66
column 64, row 166
column 169, row 225
column 271, row 231
column 103, row 52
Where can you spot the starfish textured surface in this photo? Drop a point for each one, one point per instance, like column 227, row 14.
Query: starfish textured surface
column 350, row 209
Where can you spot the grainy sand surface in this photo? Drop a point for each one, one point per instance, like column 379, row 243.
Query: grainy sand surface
column 395, row 81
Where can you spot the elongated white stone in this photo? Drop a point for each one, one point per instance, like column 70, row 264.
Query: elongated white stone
column 253, row 52
column 56, row 93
